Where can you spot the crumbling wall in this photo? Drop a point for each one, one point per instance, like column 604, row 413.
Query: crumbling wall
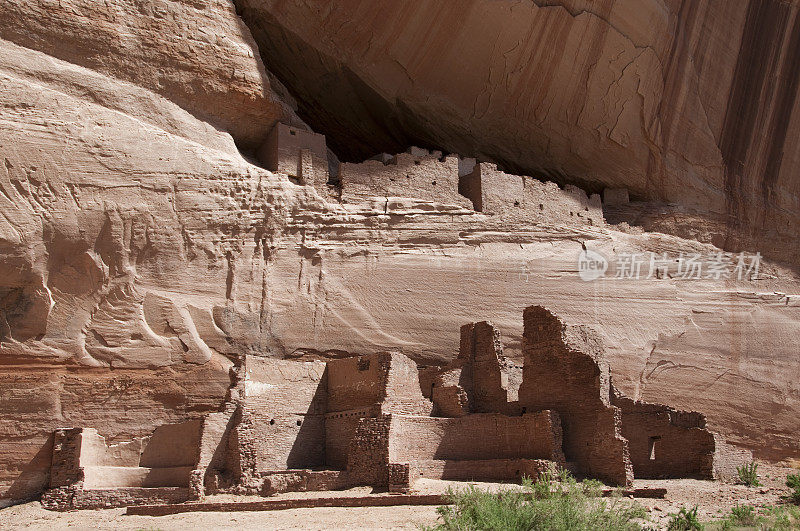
column 475, row 437
column 387, row 379
column 284, row 403
column 301, row 154
column 368, row 452
column 495, row 192
column 664, row 442
column 368, row 386
column 565, row 371
column 418, row 173
column 476, row 381
column 86, row 473
column 481, row 347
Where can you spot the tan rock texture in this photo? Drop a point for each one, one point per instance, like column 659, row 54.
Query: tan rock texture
column 140, row 251
column 690, row 103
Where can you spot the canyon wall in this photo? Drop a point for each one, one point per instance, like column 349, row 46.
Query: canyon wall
column 141, row 253
column 693, row 104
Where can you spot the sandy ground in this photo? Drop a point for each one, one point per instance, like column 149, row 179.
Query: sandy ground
column 714, row 499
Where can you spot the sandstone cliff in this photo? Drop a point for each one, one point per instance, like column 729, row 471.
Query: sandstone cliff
column 693, row 104
column 140, row 251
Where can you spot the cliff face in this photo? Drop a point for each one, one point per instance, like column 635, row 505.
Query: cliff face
column 140, row 252
column 693, row 104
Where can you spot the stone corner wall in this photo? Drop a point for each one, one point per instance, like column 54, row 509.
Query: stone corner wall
column 559, row 375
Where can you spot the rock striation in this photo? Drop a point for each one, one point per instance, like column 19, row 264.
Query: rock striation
column 691, row 104
column 148, row 244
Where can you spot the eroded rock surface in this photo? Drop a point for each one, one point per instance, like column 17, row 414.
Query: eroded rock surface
column 140, row 251
column 693, row 104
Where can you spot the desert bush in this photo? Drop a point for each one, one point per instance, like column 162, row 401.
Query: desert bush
column 552, row 502
column 793, row 482
column 685, row 520
column 748, row 474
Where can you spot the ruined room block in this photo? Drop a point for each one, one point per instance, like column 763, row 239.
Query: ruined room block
column 481, row 348
column 491, row 190
column 565, row 371
column 667, row 443
column 300, row 154
column 415, row 174
column 387, row 379
column 285, row 403
column 88, row 473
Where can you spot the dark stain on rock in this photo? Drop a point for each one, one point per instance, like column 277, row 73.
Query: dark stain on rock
column 758, row 111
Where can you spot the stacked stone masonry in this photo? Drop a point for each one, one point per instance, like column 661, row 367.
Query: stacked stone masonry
column 443, row 181
column 373, row 420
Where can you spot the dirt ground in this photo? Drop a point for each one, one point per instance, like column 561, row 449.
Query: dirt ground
column 713, row 498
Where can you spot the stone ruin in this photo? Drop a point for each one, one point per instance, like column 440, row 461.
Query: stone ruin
column 376, row 420
column 443, row 181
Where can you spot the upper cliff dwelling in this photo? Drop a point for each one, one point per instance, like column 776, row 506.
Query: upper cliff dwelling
column 229, row 276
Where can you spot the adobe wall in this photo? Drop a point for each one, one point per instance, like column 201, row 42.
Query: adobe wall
column 481, row 348
column 301, row 154
column 418, row 173
column 387, row 379
column 283, row 413
column 495, row 192
column 666, row 443
column 475, row 437
column 565, row 371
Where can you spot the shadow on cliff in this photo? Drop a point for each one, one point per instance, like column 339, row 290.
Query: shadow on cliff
column 34, row 477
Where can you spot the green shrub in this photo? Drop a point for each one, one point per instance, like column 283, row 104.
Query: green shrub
column 552, row 502
column 748, row 474
column 793, row 482
column 685, row 520
column 743, row 515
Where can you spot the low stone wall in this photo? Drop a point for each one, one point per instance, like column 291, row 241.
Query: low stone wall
column 71, row 498
column 481, row 470
column 475, row 437
column 112, row 477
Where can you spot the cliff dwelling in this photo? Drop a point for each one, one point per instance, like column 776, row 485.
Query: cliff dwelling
column 371, row 420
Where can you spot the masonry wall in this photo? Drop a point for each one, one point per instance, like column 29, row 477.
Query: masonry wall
column 475, row 437
column 418, row 174
column 666, row 443
column 495, row 192
column 387, row 379
column 368, row 452
column 340, row 427
column 565, row 371
column 302, row 155
column 283, row 410
column 481, row 348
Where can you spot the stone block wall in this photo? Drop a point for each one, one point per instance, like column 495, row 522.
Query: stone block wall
column 666, row 443
column 340, row 427
column 565, row 371
column 368, row 452
column 475, row 437
column 283, row 404
column 498, row 193
column 418, row 173
column 66, row 468
column 387, row 379
column 303, row 155
column 488, row 386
